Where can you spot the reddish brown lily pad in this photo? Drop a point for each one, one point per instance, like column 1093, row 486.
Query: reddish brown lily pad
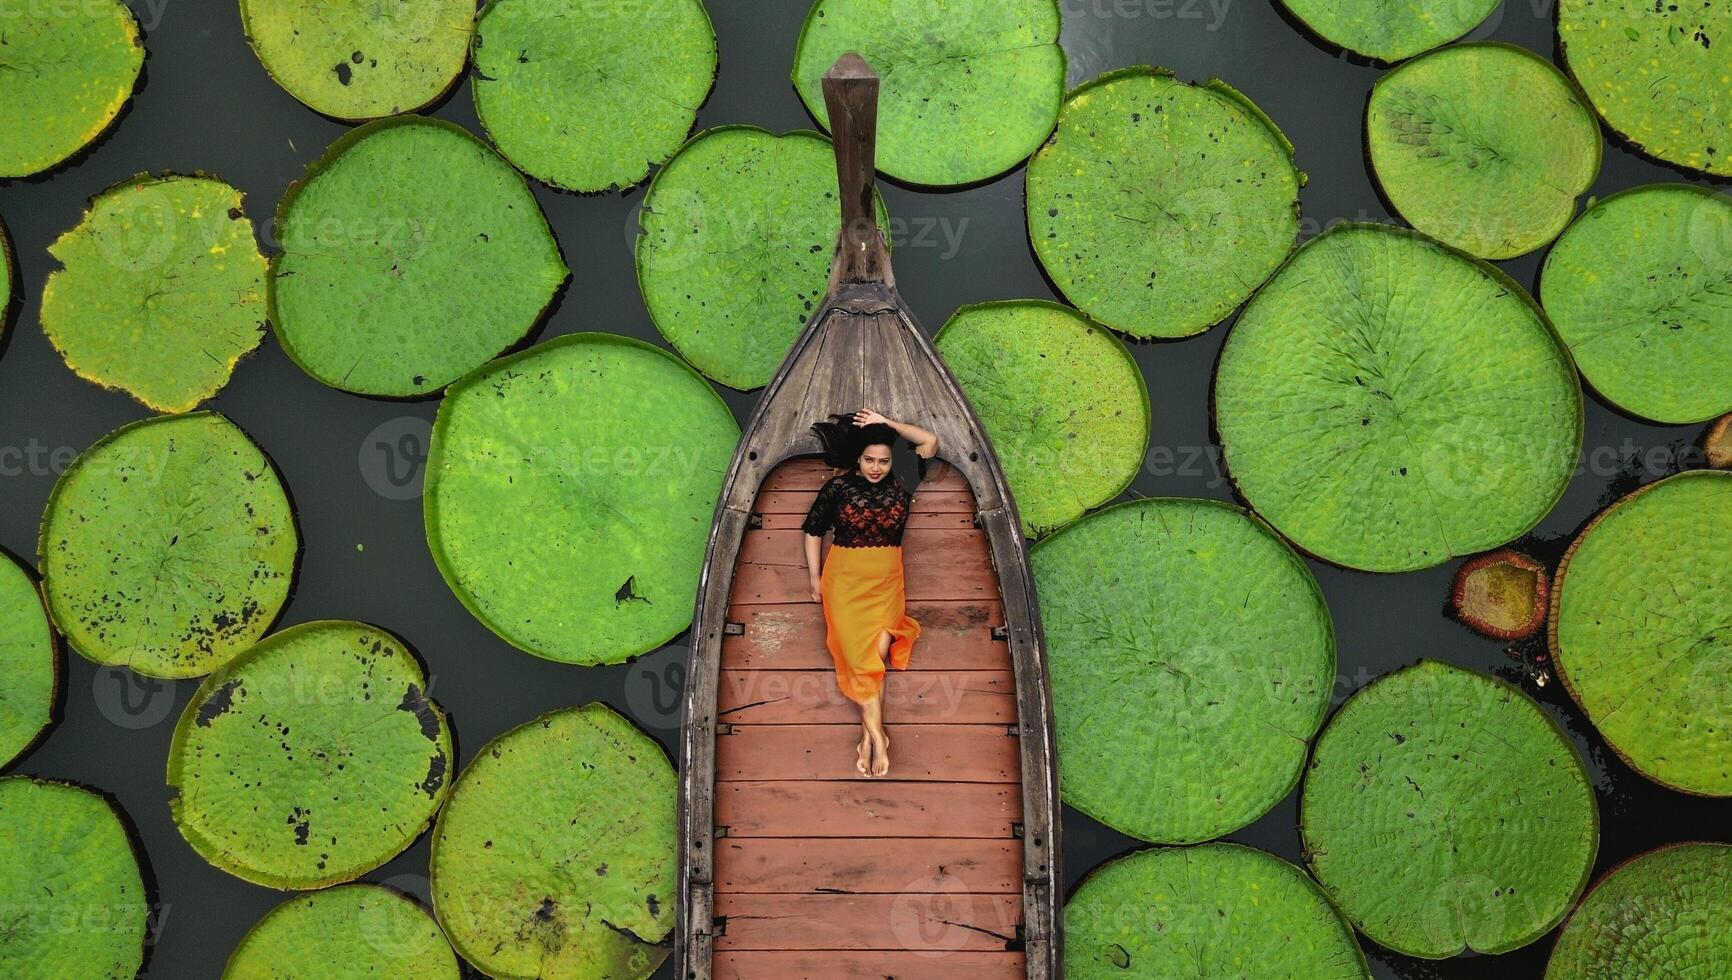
column 1502, row 594
column 1717, row 443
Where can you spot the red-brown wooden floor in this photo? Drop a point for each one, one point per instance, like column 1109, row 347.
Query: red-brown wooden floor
column 822, row 872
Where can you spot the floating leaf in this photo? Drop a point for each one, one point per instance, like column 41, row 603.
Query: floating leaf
column 1638, row 288
column 587, row 96
column 1061, row 398
column 1389, row 403
column 1192, row 660
column 556, row 854
column 1158, row 206
column 590, row 444
column 359, row 930
column 7, row 274
column 1444, row 810
column 162, row 290
column 168, row 546
column 412, row 253
column 311, row 759
column 29, row 662
column 1216, row 910
column 1660, row 914
column 74, row 899
column 70, row 68
column 358, row 59
column 1501, row 594
column 1639, row 629
column 1394, row 30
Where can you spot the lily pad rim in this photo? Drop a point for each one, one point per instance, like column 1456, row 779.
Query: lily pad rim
column 135, row 34
column 9, row 272
column 57, row 655
column 1582, row 902
column 216, row 856
column 1498, row 276
column 1556, row 604
column 1363, row 59
column 384, row 888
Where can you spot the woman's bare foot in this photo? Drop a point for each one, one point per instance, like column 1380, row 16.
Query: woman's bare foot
column 864, row 763
column 880, row 753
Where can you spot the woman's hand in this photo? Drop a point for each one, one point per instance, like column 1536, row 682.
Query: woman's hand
column 817, row 593
column 868, row 417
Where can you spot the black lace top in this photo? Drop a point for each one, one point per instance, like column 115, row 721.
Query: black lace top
column 864, row 514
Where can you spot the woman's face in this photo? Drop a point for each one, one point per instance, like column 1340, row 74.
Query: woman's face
column 875, row 462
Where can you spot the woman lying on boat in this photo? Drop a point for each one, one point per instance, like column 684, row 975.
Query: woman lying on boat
column 861, row 587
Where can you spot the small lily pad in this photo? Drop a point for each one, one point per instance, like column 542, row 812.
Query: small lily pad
column 71, row 67
column 1158, row 205
column 735, row 243
column 1717, row 443
column 1637, row 287
column 589, row 444
column 412, row 253
column 556, row 855
column 969, row 89
column 75, row 900
column 168, row 546
column 1444, row 810
column 360, row 930
column 7, row 274
column 29, row 662
column 1660, row 914
column 1389, row 403
column 311, row 759
column 588, row 96
column 1502, row 594
column 162, row 290
column 1215, row 910
column 1061, row 398
column 1192, row 659
column 360, row 59
column 1640, row 634
column 1484, row 146
column 1393, row 30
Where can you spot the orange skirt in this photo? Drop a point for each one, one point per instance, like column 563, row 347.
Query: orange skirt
column 863, row 596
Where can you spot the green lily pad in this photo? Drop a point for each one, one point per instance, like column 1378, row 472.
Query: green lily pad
column 1660, row 914
column 587, row 96
column 168, row 546
column 1195, row 913
column 359, row 930
column 1389, row 403
column 311, row 759
column 74, row 898
column 1653, row 76
column 162, row 290
column 734, row 247
column 1637, row 287
column 969, row 89
column 556, row 855
column 29, row 662
column 358, row 59
column 1444, row 810
column 1062, row 399
column 1484, row 146
column 412, row 253
column 1192, row 659
column 1641, row 634
column 1159, row 205
column 7, row 274
column 589, row 444
column 1390, row 31
column 72, row 68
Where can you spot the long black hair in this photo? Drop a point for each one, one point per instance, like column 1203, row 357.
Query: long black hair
column 844, row 441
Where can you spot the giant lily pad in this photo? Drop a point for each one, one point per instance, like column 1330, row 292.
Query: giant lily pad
column 74, row 898
column 1661, row 914
column 1196, row 913
column 1389, row 403
column 1444, row 810
column 587, row 96
column 412, row 253
column 357, row 930
column 29, row 662
column 311, row 759
column 162, row 290
column 1637, row 287
column 1158, row 206
column 593, row 445
column 1484, row 146
column 556, row 855
column 168, row 546
column 70, row 68
column 1061, row 397
column 358, row 59
column 1640, row 629
column 1652, row 73
column 970, row 88
column 1192, row 659
column 737, row 235
column 1394, row 30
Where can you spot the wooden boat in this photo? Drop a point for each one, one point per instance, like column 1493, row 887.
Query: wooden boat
column 793, row 864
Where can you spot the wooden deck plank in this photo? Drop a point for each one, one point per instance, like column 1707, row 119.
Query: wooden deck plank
column 944, row 753
column 914, row 921
column 947, row 548
column 786, row 697
column 927, row 500
column 867, row 965
column 867, row 808
column 955, row 634
column 784, row 580
column 860, row 865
